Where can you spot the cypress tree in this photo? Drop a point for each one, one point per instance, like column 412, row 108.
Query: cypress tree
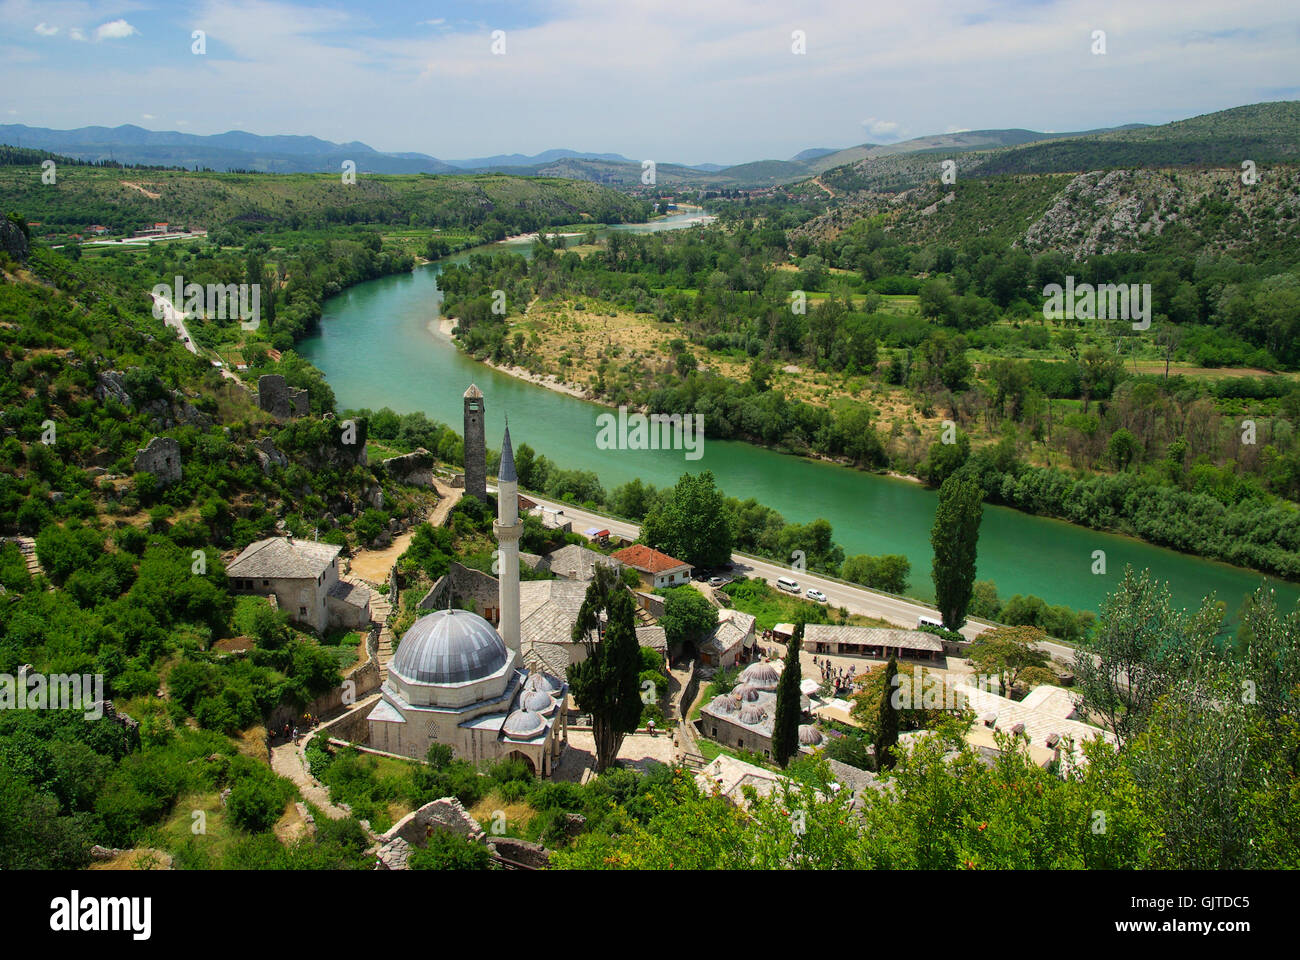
column 887, row 726
column 607, row 684
column 955, row 539
column 785, row 725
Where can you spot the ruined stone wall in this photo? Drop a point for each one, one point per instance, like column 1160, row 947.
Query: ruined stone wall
column 162, row 458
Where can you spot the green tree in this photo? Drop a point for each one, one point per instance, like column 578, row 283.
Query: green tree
column 1141, row 647
column 785, row 723
column 887, row 730
column 1008, row 652
column 955, row 539
column 606, row 684
column 693, row 525
column 688, row 615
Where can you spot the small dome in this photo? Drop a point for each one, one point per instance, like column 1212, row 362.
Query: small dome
column 727, row 703
column 523, row 725
column 537, row 702
column 543, row 682
column 809, row 735
column 746, row 692
column 752, row 713
column 762, row 675
column 449, row 646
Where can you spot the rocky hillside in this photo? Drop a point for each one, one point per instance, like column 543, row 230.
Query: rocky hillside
column 1101, row 211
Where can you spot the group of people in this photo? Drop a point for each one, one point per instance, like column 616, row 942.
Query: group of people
column 840, row 677
column 292, row 731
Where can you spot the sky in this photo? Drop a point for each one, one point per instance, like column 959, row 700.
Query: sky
column 719, row 81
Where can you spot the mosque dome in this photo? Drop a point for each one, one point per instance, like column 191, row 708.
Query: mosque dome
column 543, row 682
column 537, row 702
column 752, row 713
column 746, row 692
column 449, row 646
column 727, row 703
column 762, row 675
column 809, row 735
column 523, row 724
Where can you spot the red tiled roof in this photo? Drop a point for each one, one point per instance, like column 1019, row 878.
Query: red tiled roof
column 647, row 558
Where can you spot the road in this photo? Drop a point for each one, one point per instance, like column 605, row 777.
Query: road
column 855, row 599
column 174, row 318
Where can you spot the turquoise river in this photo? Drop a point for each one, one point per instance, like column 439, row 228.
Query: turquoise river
column 379, row 345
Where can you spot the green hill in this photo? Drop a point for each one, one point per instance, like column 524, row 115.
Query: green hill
column 130, row 199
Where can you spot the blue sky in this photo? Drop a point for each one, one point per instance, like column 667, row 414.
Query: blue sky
column 712, row 80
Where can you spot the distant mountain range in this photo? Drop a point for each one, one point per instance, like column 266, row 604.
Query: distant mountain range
column 1265, row 131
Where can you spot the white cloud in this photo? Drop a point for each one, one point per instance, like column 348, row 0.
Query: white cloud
column 114, row 30
column 885, row 129
column 956, row 129
column 76, row 34
column 45, row 30
column 147, row 116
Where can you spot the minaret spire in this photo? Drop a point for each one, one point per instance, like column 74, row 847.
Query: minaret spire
column 508, row 530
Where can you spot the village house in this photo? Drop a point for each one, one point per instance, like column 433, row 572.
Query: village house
column 303, row 576
column 575, row 562
column 732, row 639
column 658, row 570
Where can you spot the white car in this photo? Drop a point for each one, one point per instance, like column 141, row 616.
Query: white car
column 816, row 595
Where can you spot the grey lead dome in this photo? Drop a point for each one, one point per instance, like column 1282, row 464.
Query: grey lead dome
column 449, row 646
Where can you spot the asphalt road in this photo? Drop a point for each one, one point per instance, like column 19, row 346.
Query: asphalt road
column 855, row 599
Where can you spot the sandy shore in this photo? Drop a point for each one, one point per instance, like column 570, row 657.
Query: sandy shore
column 444, row 327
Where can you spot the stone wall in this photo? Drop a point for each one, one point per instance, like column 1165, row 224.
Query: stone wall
column 162, row 458
column 459, row 585
column 280, row 400
column 413, row 468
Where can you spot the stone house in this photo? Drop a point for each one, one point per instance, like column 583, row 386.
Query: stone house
column 303, row 576
column 658, row 570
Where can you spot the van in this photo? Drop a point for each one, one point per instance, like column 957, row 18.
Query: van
column 788, row 585
column 922, row 622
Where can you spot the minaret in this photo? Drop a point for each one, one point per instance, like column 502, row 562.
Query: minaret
column 508, row 530
column 475, row 445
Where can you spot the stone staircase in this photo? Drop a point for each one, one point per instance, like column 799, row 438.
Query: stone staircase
column 381, row 610
column 28, row 547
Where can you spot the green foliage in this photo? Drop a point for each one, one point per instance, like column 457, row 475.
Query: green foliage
column 606, row 683
column 955, row 539
column 692, row 525
column 446, row 850
column 688, row 615
column 785, row 722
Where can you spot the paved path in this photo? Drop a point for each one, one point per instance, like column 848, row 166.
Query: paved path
column 287, row 760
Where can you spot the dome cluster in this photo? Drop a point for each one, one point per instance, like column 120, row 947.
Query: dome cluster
column 762, row 675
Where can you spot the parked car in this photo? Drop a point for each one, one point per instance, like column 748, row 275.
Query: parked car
column 816, row 595
column 716, row 581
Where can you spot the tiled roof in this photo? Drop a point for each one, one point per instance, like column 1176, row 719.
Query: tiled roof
column 353, row 594
column 656, row 638
column 283, row 557
column 548, row 609
column 647, row 558
column 574, row 561
column 734, row 627
column 872, row 637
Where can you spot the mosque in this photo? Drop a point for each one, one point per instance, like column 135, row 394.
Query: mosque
column 457, row 680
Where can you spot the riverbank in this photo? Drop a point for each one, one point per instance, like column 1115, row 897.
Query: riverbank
column 445, row 326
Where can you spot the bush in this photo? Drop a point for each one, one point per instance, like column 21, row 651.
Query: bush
column 449, row 851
